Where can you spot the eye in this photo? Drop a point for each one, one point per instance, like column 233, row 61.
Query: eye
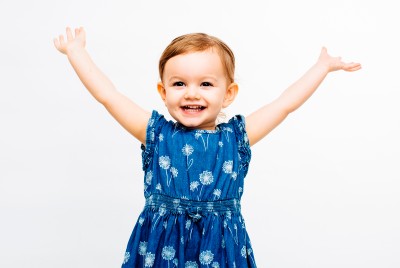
column 206, row 84
column 178, row 84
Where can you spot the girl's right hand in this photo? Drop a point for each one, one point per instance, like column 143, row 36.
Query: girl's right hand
column 73, row 42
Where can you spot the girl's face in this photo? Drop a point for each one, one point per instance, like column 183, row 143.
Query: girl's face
column 195, row 89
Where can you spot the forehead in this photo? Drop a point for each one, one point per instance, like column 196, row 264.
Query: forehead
column 193, row 64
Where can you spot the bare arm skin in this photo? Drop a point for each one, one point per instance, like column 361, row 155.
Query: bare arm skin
column 264, row 120
column 132, row 117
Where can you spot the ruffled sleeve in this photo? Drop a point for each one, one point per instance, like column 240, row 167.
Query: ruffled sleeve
column 154, row 126
column 239, row 127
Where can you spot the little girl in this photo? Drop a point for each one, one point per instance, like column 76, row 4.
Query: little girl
column 193, row 168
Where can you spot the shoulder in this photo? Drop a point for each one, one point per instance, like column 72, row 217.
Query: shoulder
column 159, row 124
column 238, row 125
column 238, row 122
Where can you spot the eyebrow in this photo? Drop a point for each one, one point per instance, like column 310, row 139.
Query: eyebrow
column 202, row 78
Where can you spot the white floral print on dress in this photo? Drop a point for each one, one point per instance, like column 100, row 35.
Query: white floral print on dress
column 194, row 185
column 149, row 177
column 174, row 172
column 227, row 167
column 206, row 257
column 215, row 265
column 206, row 178
column 187, row 150
column 165, row 162
column 217, row 194
column 191, row 264
column 142, row 248
column 158, row 187
column 149, row 259
column 168, row 253
column 243, row 252
column 126, row 257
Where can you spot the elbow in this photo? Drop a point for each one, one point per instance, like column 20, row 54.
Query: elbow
column 105, row 98
column 285, row 108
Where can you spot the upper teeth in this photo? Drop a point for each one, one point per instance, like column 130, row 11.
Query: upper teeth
column 193, row 107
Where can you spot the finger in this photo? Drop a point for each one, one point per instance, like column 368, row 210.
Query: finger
column 354, row 65
column 323, row 52
column 61, row 39
column 56, row 43
column 77, row 31
column 69, row 34
column 356, row 68
column 351, row 67
column 82, row 31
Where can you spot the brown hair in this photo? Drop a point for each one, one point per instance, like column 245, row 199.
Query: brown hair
column 196, row 42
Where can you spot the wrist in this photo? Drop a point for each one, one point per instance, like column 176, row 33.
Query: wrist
column 72, row 51
column 324, row 67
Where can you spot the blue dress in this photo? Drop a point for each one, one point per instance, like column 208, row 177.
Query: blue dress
column 193, row 184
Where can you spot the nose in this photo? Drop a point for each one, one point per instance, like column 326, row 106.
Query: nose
column 192, row 92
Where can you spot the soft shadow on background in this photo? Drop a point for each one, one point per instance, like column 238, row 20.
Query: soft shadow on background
column 323, row 188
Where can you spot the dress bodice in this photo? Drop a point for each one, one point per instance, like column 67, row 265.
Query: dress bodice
column 195, row 164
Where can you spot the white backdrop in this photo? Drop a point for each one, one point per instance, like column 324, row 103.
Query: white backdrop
column 323, row 188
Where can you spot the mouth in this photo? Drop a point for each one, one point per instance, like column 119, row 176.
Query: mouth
column 193, row 108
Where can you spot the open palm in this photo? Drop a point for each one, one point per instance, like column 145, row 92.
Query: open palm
column 73, row 41
column 336, row 63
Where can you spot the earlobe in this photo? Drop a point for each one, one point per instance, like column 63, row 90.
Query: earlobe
column 161, row 90
column 230, row 94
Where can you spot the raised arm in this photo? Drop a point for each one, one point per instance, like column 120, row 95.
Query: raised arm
column 262, row 121
column 132, row 117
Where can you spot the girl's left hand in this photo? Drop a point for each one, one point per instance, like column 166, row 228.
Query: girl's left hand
column 336, row 63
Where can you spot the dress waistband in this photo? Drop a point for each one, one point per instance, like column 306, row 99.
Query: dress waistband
column 195, row 209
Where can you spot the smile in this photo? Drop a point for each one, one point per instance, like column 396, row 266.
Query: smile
column 194, row 108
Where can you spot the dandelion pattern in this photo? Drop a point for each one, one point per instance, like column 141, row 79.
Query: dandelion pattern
column 217, row 194
column 187, row 150
column 227, row 167
column 206, row 178
column 126, row 257
column 149, row 259
column 149, row 177
column 165, row 162
column 206, row 257
column 193, row 181
column 215, row 265
column 191, row 264
column 142, row 248
column 174, row 172
column 141, row 221
column 194, row 185
column 234, row 175
column 168, row 253
column 159, row 187
column 243, row 252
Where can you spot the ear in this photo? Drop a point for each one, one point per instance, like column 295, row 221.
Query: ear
column 230, row 94
column 161, row 91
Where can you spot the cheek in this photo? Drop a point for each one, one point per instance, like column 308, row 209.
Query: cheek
column 171, row 99
column 218, row 98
